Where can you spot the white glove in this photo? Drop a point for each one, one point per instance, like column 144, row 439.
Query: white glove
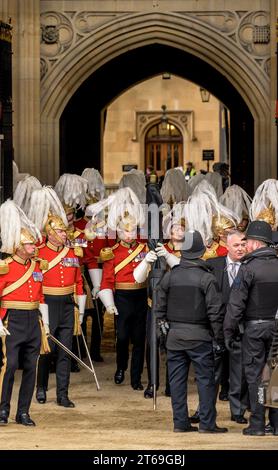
column 96, row 276
column 141, row 271
column 81, row 300
column 112, row 309
column 170, row 258
column 3, row 330
column 107, row 298
column 45, row 317
column 150, row 257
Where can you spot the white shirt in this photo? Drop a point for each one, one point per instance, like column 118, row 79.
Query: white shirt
column 232, row 269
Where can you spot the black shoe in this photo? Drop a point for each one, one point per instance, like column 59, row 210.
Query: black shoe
column 215, row 430
column 97, row 358
column 74, row 367
column 119, row 376
column 3, row 418
column 167, row 392
column 24, row 419
column 41, row 395
column 239, row 419
column 275, row 432
column 195, row 418
column 148, row 393
column 268, row 430
column 189, row 429
column 252, row 432
column 137, row 386
column 64, row 401
column 224, row 395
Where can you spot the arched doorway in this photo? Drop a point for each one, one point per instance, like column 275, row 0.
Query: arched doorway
column 83, row 119
column 163, row 148
column 145, row 44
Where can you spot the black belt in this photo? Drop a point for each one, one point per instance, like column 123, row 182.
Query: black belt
column 181, row 325
column 257, row 322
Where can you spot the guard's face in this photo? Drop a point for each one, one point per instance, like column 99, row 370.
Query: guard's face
column 236, row 247
column 127, row 235
column 61, row 236
column 27, row 250
column 177, row 233
column 242, row 225
column 70, row 217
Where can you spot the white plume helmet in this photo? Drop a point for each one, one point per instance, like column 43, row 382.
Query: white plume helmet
column 205, row 186
column 17, row 176
column 202, row 206
column 43, row 202
column 12, row 221
column 96, row 188
column 237, row 200
column 177, row 215
column 195, row 180
column 72, row 190
column 174, row 187
column 265, row 199
column 117, row 205
column 215, row 179
column 23, row 191
column 135, row 180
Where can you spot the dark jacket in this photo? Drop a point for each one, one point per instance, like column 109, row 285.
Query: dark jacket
column 189, row 294
column 254, row 294
column 219, row 269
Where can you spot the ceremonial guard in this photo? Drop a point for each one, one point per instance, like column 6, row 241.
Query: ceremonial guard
column 61, row 282
column 123, row 286
column 22, row 307
column 253, row 301
column 87, row 238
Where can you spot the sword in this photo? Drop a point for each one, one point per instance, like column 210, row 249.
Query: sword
column 70, row 353
column 90, row 360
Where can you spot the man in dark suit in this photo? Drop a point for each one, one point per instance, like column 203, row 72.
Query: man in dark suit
column 225, row 270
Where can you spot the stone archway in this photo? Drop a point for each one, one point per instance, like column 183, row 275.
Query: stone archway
column 180, row 31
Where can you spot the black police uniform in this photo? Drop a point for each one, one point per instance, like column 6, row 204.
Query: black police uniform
column 189, row 299
column 254, row 299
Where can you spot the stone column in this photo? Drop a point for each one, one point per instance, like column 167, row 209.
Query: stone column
column 273, row 83
column 25, row 19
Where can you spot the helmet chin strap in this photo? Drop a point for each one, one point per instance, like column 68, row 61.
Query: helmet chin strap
column 56, row 236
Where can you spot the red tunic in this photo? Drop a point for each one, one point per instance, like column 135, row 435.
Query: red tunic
column 30, row 291
column 91, row 252
column 61, row 275
column 121, row 251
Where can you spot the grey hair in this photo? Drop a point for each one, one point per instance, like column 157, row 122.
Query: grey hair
column 234, row 231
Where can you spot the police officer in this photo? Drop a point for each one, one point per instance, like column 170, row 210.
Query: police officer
column 188, row 298
column 254, row 299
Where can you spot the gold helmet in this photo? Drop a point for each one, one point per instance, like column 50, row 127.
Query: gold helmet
column 92, row 228
column 220, row 223
column 26, row 237
column 127, row 222
column 54, row 222
column 68, row 209
column 267, row 214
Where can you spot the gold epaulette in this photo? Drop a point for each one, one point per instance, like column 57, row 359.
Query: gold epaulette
column 43, row 263
column 4, row 266
column 106, row 253
column 78, row 251
column 211, row 251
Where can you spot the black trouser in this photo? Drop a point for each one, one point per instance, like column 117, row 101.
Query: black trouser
column 178, row 368
column 256, row 344
column 61, row 323
column 238, row 390
column 148, row 355
column 131, row 325
column 25, row 337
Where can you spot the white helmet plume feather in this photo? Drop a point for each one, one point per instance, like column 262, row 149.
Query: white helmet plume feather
column 45, row 201
column 72, row 190
column 95, row 182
